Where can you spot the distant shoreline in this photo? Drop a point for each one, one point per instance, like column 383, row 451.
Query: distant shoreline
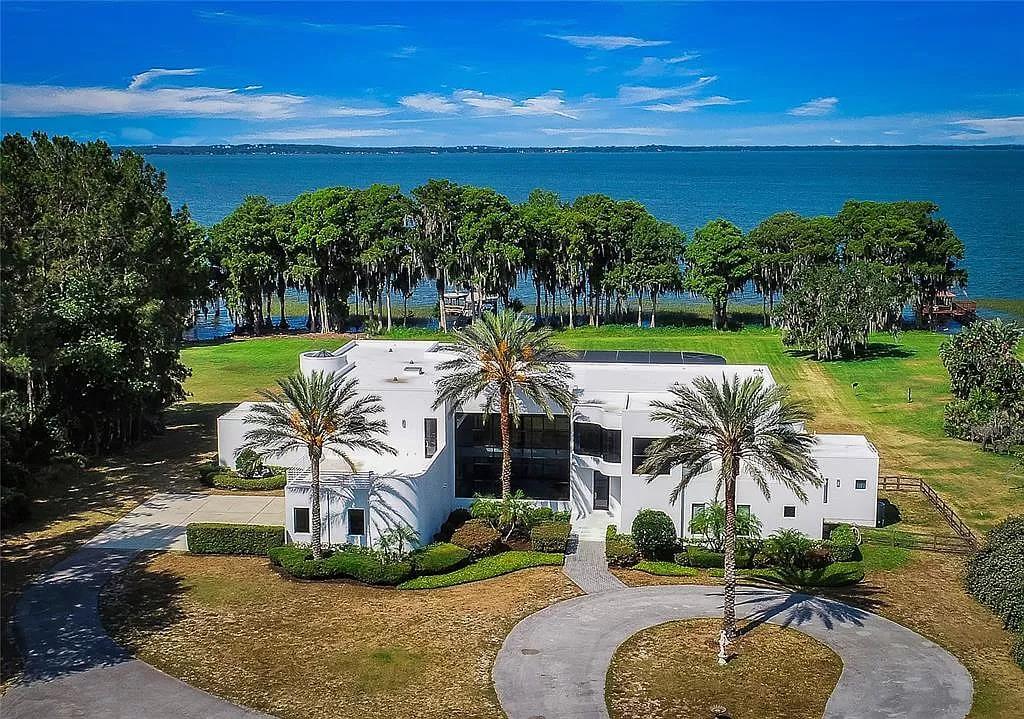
column 289, row 149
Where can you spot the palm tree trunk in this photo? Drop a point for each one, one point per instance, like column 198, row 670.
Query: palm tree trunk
column 506, row 445
column 314, row 507
column 729, row 600
column 388, row 296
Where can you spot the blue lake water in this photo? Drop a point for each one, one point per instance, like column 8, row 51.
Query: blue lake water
column 980, row 192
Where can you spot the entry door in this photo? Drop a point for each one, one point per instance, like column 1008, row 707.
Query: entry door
column 600, row 491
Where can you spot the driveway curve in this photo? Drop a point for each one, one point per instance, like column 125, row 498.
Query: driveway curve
column 554, row 662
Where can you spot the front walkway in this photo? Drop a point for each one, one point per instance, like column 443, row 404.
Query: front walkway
column 554, row 662
column 585, row 562
column 72, row 668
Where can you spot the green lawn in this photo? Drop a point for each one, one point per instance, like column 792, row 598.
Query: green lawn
column 983, row 487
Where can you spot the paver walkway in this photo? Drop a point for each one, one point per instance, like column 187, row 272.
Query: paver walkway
column 72, row 667
column 554, row 662
column 585, row 562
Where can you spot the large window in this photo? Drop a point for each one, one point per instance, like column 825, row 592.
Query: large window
column 596, row 441
column 430, row 436
column 640, row 445
column 540, row 456
column 356, row 521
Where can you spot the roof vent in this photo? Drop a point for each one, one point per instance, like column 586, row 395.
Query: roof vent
column 412, row 369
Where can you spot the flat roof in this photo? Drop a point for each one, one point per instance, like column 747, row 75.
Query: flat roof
column 646, row 357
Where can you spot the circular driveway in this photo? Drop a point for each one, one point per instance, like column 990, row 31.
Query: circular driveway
column 553, row 664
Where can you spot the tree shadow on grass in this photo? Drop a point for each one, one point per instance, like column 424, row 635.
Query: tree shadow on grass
column 141, row 603
column 874, row 350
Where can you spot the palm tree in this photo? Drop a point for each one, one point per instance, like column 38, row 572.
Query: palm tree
column 735, row 425
column 316, row 413
column 496, row 356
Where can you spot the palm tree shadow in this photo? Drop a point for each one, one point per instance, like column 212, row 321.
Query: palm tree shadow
column 797, row 609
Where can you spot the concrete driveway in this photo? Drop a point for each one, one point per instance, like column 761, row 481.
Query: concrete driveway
column 159, row 522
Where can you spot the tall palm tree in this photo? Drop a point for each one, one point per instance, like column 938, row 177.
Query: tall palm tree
column 496, row 356
column 322, row 412
column 734, row 425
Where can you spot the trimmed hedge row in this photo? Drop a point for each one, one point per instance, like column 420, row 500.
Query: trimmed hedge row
column 706, row 559
column 485, row 568
column 224, row 478
column 344, row 563
column 550, row 537
column 438, row 558
column 244, row 539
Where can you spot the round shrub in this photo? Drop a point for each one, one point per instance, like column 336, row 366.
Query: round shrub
column 438, row 558
column 476, row 535
column 654, row 534
column 995, row 577
column 620, row 551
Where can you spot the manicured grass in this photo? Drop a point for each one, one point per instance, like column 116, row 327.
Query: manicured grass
column 234, row 627
column 671, row 670
column 665, row 569
column 883, row 559
column 486, row 568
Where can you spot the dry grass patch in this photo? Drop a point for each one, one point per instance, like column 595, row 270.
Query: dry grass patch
column 672, row 671
column 236, row 628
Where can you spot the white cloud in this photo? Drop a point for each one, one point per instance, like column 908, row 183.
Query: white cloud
column 343, row 111
column 693, row 104
column 144, row 78
column 405, row 53
column 815, row 108
column 583, row 131
column 137, row 134
column 550, row 103
column 608, row 42
column 654, row 66
column 990, row 128
column 429, row 102
column 56, row 100
column 310, row 134
column 633, row 94
column 253, row 87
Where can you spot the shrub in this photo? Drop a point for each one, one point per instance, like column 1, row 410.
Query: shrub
column 249, row 464
column 787, row 548
column 438, row 558
column 456, row 519
column 654, row 535
column 817, row 557
column 248, row 539
column 476, row 535
column 565, row 516
column 485, row 569
column 665, row 569
column 620, row 551
column 838, row 574
column 358, row 563
column 700, row 557
column 488, row 510
column 709, row 522
column 1006, row 532
column 213, row 475
column 540, row 514
column 995, row 577
column 550, row 537
column 1017, row 651
column 842, row 544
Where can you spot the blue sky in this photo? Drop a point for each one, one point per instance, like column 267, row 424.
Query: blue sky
column 516, row 74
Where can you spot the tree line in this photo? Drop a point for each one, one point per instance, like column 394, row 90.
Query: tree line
column 827, row 281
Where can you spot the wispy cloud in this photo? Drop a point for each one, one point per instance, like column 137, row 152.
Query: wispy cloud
column 584, row 131
column 144, row 78
column 608, row 42
column 693, row 104
column 990, row 128
column 56, row 100
column 635, row 94
column 551, row 103
column 656, row 66
column 343, row 111
column 312, row 134
column 404, row 53
column 429, row 102
column 234, row 18
column 816, row 108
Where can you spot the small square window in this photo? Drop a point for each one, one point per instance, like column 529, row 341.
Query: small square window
column 789, row 510
column 356, row 521
column 860, row 484
column 300, row 520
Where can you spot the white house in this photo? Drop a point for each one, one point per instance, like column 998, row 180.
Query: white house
column 446, row 458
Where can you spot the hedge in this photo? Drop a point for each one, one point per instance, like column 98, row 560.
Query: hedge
column 249, row 539
column 346, row 563
column 485, row 568
column 842, row 544
column 550, row 537
column 995, row 577
column 1017, row 651
column 665, row 569
column 654, row 535
column 224, row 478
column 620, row 551
column 477, row 536
column 437, row 558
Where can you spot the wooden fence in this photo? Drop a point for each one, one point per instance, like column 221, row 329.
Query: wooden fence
column 900, row 483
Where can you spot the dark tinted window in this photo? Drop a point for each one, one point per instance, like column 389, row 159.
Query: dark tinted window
column 356, row 521
column 595, row 441
column 300, row 520
column 640, row 445
column 789, row 511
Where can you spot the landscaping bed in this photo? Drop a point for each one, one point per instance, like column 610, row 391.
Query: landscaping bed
column 671, row 670
column 213, row 475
